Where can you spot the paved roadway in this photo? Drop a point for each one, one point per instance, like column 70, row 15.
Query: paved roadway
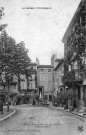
column 41, row 121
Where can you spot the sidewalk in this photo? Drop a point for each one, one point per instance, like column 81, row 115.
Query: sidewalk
column 6, row 114
column 79, row 114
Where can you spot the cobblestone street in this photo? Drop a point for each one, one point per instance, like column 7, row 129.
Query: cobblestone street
column 41, row 121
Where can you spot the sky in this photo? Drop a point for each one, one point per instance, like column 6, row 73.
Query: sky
column 41, row 24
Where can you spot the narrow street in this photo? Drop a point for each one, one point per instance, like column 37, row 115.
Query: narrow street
column 41, row 121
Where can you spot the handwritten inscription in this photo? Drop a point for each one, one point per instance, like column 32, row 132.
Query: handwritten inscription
column 47, row 8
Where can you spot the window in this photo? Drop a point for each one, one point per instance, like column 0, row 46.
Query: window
column 49, row 70
column 75, row 65
column 69, row 67
column 72, row 66
column 85, row 60
column 14, row 86
column 42, row 70
column 42, row 77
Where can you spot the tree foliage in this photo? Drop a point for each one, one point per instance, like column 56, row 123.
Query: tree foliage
column 13, row 57
column 2, row 26
column 20, row 57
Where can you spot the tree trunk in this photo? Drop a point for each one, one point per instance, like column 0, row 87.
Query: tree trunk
column 8, row 98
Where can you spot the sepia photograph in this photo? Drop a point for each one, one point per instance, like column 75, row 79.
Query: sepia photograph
column 42, row 67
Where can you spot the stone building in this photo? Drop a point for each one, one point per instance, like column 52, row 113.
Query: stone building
column 74, row 41
column 58, row 72
column 45, row 81
column 32, row 77
column 28, row 83
column 53, row 60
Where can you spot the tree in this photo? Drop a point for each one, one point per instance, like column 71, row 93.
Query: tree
column 2, row 26
column 5, row 58
column 20, row 60
column 1, row 12
column 13, row 57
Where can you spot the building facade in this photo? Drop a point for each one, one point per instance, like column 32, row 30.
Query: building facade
column 58, row 72
column 32, row 77
column 53, row 60
column 45, row 81
column 75, row 56
column 27, row 82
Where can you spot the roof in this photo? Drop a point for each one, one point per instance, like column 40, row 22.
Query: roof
column 32, row 64
column 58, row 60
column 44, row 66
column 59, row 64
column 76, row 15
